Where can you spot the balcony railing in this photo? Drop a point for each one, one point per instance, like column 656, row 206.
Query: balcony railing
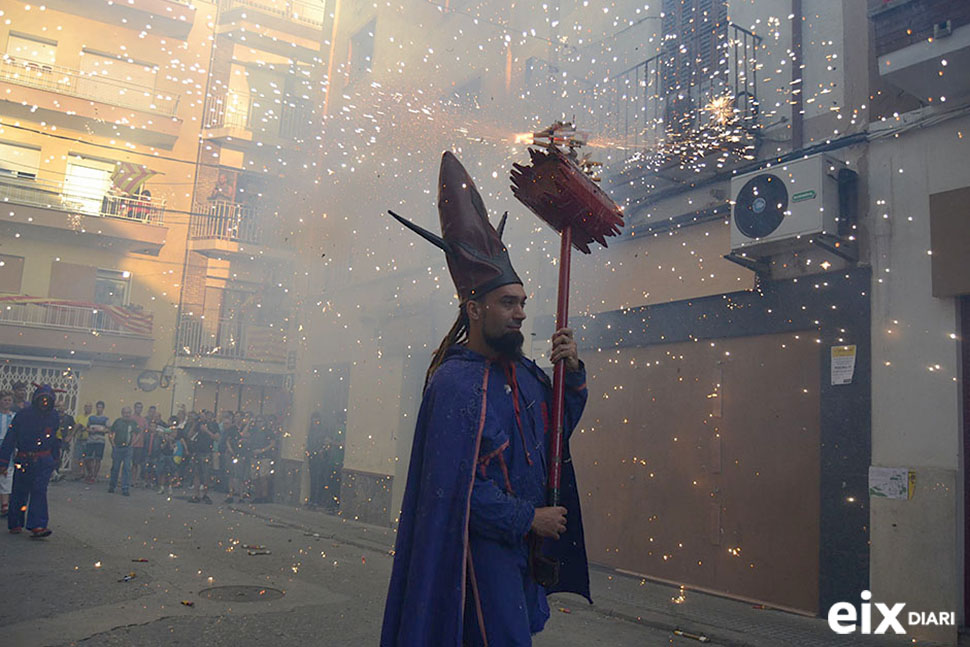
column 54, row 195
column 114, row 320
column 682, row 89
column 308, row 13
column 230, row 339
column 65, row 80
column 229, row 110
column 259, row 115
column 230, row 221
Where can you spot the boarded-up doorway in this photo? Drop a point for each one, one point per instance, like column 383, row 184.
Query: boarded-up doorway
column 699, row 464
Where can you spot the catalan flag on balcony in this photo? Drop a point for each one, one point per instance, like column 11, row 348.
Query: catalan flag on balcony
column 126, row 319
column 128, row 177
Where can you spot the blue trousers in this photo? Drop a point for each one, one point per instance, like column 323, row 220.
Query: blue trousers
column 28, row 496
column 120, row 458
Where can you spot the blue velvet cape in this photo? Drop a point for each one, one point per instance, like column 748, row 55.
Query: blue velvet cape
column 429, row 583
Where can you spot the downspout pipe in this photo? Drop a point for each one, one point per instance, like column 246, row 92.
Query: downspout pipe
column 797, row 78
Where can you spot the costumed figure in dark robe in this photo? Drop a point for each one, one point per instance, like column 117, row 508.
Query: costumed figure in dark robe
column 32, row 446
column 474, row 522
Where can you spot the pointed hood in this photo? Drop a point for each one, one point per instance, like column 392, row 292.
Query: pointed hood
column 477, row 260
column 38, row 398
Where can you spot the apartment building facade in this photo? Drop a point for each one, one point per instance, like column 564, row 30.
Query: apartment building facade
column 258, row 127
column 99, row 120
column 145, row 252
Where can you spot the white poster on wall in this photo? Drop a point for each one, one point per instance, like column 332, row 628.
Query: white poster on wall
column 891, row 482
column 843, row 364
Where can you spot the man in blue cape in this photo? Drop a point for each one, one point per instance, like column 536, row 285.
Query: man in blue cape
column 33, row 436
column 475, row 528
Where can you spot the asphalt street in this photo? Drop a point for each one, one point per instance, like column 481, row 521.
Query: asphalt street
column 83, row 585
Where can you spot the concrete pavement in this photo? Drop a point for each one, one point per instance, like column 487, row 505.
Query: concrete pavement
column 70, row 589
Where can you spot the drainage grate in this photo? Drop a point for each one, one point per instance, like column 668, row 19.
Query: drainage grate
column 241, row 593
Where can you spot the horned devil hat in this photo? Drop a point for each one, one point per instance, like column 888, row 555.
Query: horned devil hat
column 477, row 260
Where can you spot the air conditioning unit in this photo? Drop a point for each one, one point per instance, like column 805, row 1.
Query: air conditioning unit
column 777, row 206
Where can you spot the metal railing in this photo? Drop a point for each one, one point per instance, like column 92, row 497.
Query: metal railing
column 286, row 120
column 230, row 339
column 223, row 220
column 195, row 338
column 65, row 80
column 229, row 110
column 53, row 195
column 682, row 88
column 64, row 317
column 308, row 13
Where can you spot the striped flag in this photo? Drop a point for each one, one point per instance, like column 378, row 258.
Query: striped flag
column 129, row 178
column 133, row 321
column 125, row 319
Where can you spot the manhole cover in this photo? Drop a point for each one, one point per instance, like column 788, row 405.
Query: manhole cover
column 241, row 593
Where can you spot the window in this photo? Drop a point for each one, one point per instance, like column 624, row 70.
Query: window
column 117, row 80
column 11, row 273
column 19, row 161
column 86, row 183
column 111, row 287
column 31, row 48
column 361, row 55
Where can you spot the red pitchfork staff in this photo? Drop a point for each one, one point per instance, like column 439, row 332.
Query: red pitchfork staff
column 568, row 200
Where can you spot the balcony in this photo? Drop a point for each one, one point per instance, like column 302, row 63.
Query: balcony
column 230, row 345
column 75, row 83
column 32, row 325
column 87, row 102
column 923, row 46
column 696, row 99
column 239, row 119
column 129, row 224
column 290, row 28
column 310, row 14
column 166, row 18
column 229, row 230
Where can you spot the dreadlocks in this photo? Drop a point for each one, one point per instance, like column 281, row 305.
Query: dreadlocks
column 457, row 335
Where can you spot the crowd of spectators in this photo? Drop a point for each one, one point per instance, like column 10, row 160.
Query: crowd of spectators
column 193, row 452
column 235, row 453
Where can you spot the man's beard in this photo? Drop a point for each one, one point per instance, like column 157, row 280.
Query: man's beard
column 508, row 346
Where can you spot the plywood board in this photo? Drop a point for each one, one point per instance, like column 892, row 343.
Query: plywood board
column 728, row 502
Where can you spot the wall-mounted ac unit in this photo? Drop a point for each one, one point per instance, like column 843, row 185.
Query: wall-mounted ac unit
column 775, row 206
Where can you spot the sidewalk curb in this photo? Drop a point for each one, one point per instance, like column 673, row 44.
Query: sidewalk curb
column 359, row 543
